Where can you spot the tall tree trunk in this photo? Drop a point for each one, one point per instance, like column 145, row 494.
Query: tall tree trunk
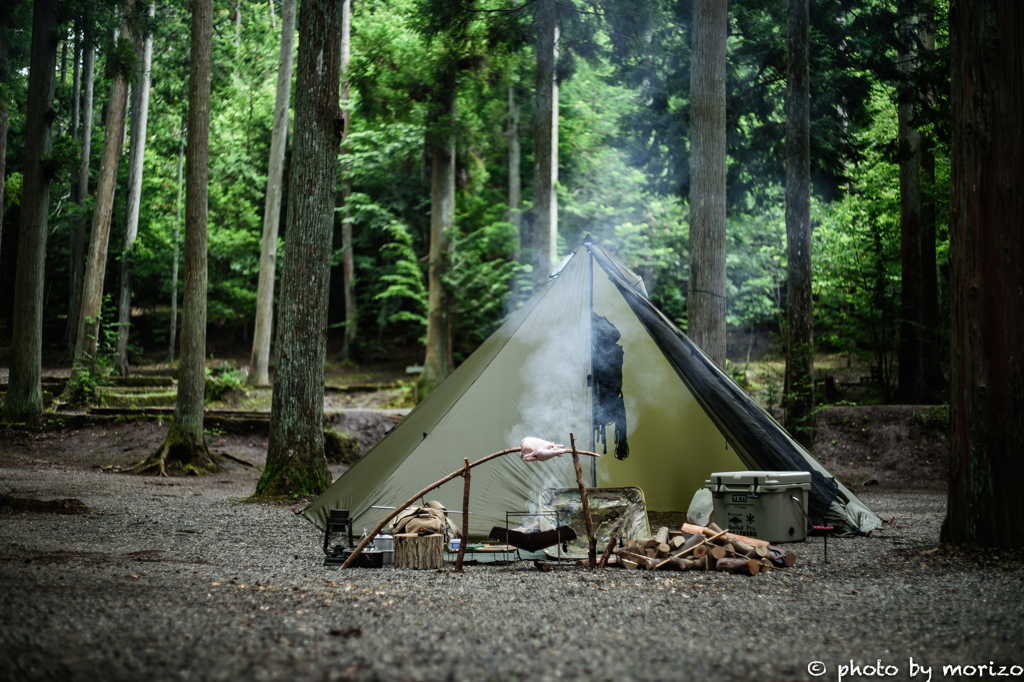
column 95, row 268
column 78, row 243
column 64, row 60
column 136, row 155
column 259, row 364
column 3, row 129
column 3, row 166
column 545, row 199
column 436, row 364
column 295, row 453
column 348, row 263
column 515, row 183
column 800, row 356
column 987, row 274
column 184, row 447
column 706, row 297
column 174, row 266
column 932, row 336
column 911, row 296
column 76, row 87
column 24, row 401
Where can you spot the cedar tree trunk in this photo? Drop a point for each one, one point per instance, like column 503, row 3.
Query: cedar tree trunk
column 348, row 263
column 800, row 358
column 259, row 364
column 295, row 453
column 706, row 298
column 515, row 183
column 136, row 155
column 95, row 268
column 78, row 245
column 3, row 166
column 545, row 139
column 24, row 401
column 177, row 235
column 184, row 447
column 910, row 366
column 436, row 365
column 986, row 250
column 932, row 337
column 76, row 86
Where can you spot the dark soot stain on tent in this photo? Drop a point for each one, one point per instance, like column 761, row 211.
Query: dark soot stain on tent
column 609, row 407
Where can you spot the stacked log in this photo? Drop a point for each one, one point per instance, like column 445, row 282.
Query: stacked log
column 701, row 548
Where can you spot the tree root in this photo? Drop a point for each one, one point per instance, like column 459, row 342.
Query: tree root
column 240, row 460
column 179, row 452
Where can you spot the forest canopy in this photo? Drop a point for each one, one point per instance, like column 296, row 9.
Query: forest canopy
column 623, row 162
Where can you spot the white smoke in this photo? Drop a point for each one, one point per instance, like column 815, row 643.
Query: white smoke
column 553, row 403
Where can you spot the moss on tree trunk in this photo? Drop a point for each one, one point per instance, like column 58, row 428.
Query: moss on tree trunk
column 295, row 453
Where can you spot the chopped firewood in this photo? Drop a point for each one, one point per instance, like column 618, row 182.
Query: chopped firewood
column 696, row 551
column 680, row 564
column 661, row 551
column 690, row 528
column 626, row 554
column 718, row 552
column 677, row 541
column 744, row 566
column 662, row 535
column 694, row 539
column 628, row 564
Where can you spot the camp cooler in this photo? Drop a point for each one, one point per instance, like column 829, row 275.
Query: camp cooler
column 760, row 504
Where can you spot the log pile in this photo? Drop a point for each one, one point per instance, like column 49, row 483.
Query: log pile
column 700, row 548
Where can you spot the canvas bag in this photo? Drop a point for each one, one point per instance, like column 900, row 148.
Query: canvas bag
column 419, row 520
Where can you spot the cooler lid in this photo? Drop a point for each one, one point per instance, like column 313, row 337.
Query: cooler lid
column 765, row 479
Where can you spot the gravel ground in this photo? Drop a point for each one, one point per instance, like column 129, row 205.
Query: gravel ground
column 177, row 579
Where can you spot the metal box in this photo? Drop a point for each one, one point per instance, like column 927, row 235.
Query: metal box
column 768, row 505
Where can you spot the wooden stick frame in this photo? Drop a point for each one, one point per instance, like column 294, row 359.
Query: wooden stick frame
column 465, row 518
column 585, row 503
column 400, row 508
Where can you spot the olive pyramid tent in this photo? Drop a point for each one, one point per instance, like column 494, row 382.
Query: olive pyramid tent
column 588, row 354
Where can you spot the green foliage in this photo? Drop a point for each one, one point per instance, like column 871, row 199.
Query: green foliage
column 623, row 163
column 405, row 298
column 222, row 381
column 81, row 389
column 12, row 191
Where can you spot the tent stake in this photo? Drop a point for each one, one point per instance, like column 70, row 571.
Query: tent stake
column 400, row 508
column 591, row 540
column 465, row 518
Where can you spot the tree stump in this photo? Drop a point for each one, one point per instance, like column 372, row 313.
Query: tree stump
column 419, row 551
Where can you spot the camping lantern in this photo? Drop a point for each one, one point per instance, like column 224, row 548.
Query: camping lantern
column 338, row 521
